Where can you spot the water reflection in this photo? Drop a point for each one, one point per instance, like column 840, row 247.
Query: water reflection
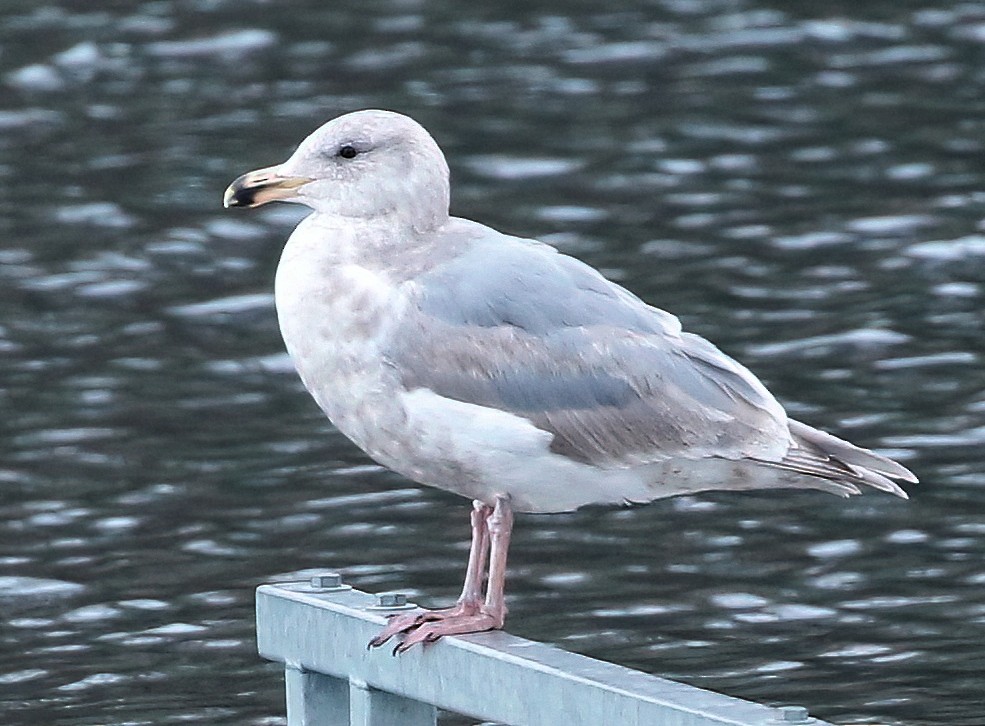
column 801, row 185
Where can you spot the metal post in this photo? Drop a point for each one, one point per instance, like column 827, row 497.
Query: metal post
column 370, row 707
column 314, row 699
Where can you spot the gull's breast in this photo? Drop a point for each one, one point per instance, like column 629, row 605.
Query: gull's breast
column 334, row 315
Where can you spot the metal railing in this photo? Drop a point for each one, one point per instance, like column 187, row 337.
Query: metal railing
column 319, row 631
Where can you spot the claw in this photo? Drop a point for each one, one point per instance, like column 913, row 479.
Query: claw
column 398, row 624
column 410, row 641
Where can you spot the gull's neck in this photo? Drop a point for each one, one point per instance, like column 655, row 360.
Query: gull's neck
column 356, row 238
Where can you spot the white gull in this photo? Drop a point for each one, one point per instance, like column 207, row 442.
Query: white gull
column 497, row 368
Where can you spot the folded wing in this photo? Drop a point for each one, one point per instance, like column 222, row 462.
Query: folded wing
column 515, row 326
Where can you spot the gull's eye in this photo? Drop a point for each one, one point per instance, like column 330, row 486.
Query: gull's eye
column 348, row 152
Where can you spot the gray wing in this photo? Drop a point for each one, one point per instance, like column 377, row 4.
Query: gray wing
column 513, row 325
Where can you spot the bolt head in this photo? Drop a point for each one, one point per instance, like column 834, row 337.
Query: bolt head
column 794, row 715
column 326, row 580
column 391, row 600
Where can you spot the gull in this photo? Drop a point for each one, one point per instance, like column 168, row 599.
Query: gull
column 500, row 369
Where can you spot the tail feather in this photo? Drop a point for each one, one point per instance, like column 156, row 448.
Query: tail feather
column 819, row 454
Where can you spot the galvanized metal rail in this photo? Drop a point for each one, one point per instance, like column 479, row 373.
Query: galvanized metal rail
column 319, row 631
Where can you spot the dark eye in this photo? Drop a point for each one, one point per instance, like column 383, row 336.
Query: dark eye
column 348, row 152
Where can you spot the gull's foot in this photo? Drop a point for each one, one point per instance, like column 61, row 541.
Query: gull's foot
column 430, row 630
column 463, row 617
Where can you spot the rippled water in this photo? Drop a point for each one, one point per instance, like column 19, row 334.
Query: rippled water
column 802, row 183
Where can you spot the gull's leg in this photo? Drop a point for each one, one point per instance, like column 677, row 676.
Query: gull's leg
column 471, row 598
column 500, row 531
column 492, row 614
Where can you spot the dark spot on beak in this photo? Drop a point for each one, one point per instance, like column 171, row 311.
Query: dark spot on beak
column 239, row 194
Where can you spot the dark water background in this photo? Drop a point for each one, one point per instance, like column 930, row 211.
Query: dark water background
column 802, row 182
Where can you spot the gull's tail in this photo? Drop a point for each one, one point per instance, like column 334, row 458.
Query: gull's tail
column 841, row 467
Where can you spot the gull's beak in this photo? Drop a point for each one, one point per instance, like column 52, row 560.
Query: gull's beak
column 261, row 186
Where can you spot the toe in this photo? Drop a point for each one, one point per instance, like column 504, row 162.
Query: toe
column 397, row 624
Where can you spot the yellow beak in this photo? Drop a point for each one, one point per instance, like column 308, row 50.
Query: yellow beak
column 261, row 186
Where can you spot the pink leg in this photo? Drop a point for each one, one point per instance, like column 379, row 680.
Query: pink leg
column 500, row 530
column 471, row 598
column 478, row 554
column 492, row 613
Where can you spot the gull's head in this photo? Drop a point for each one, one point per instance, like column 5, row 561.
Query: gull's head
column 366, row 164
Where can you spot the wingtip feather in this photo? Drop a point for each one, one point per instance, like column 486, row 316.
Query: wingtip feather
column 871, row 468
